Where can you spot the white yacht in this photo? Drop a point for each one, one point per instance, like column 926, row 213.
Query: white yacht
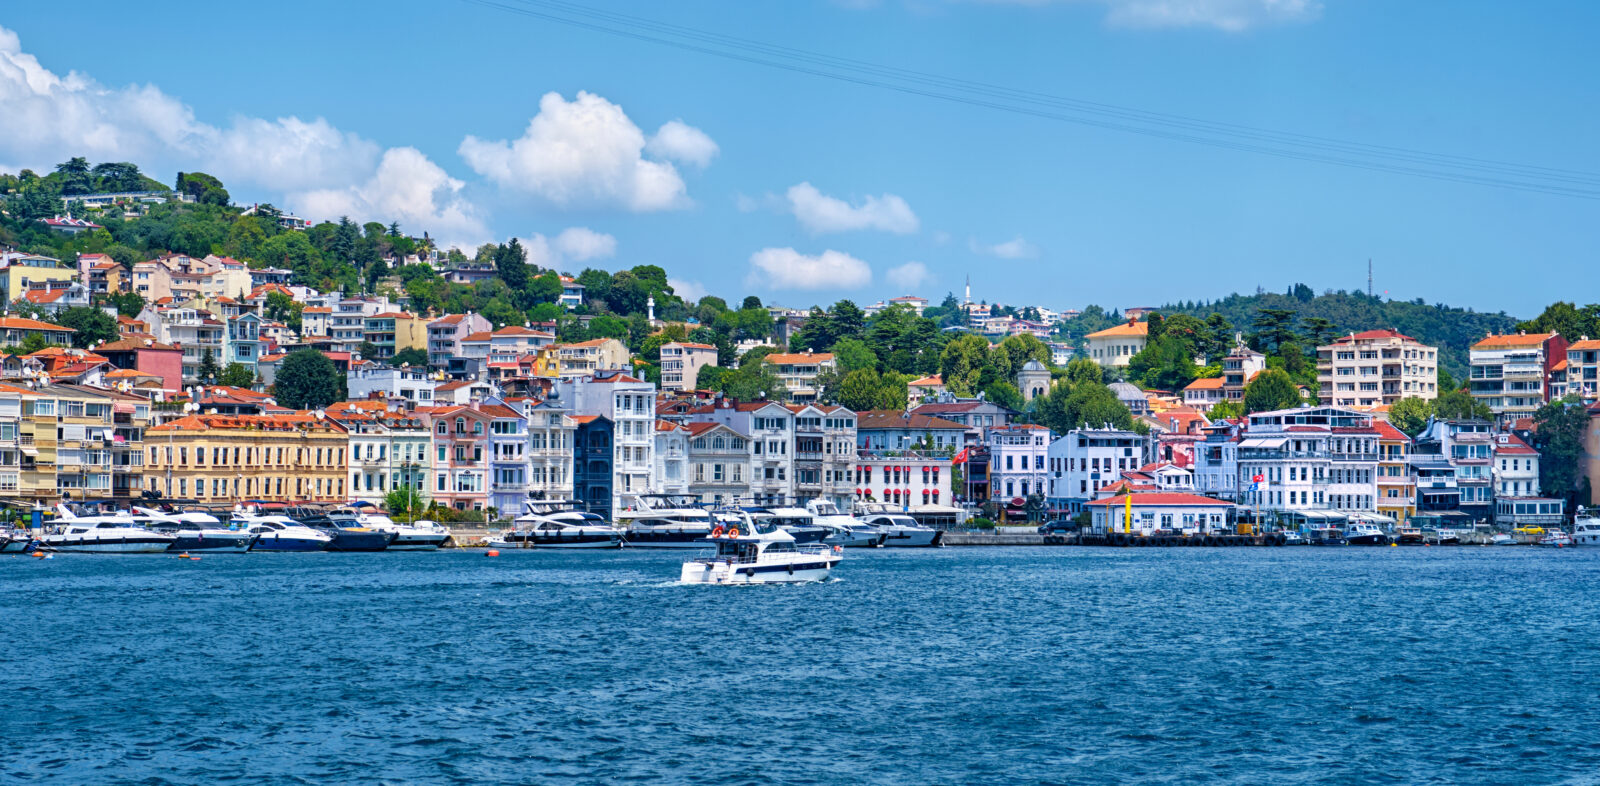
column 1365, row 533
column 421, row 535
column 195, row 531
column 748, row 554
column 665, row 521
column 548, row 526
column 799, row 522
column 1586, row 531
column 117, row 534
column 900, row 529
column 844, row 529
column 281, row 533
column 1557, row 539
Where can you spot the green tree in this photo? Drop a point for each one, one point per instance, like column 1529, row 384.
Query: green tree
column 1410, row 415
column 1561, row 426
column 511, row 264
column 307, row 379
column 852, row 354
column 128, row 304
column 1460, row 405
column 1274, row 326
column 1084, row 370
column 1225, row 409
column 961, row 363
column 1573, row 323
column 208, row 371
column 410, row 355
column 1013, row 352
column 1166, row 363
column 405, row 502
column 237, row 375
column 752, row 381
column 1319, row 331
column 93, row 326
column 1271, row 390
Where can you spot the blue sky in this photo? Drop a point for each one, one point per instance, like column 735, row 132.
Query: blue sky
column 420, row 110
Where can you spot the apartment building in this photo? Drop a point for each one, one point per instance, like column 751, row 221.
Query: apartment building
column 1376, row 368
column 1516, row 467
column 670, row 474
column 1017, row 461
column 508, row 456
column 412, row 384
column 824, row 452
column 388, row 449
column 227, row 459
column 719, row 463
column 445, row 335
column 1397, row 483
column 1216, row 461
column 1115, row 346
column 390, row 332
column 798, row 372
column 1079, row 463
column 69, row 441
column 192, row 329
column 1510, row 373
column 770, row 427
column 1466, row 449
column 628, row 404
column 593, row 476
column 586, row 358
column 551, row 435
column 1583, row 369
column 21, row 272
column 1239, row 366
column 460, row 440
column 681, row 363
column 1310, row 459
column 14, row 330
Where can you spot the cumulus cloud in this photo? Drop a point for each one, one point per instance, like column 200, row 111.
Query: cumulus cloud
column 1230, row 15
column 908, row 276
column 584, row 152
column 1015, row 248
column 574, row 244
column 821, row 213
column 688, row 290
column 786, row 268
column 678, row 141
column 409, row 188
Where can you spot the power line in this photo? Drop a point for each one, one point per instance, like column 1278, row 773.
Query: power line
column 1303, row 147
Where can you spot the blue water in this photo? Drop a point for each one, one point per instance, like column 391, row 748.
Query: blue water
column 1046, row 665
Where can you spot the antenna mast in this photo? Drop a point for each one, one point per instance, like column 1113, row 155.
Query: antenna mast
column 1369, row 276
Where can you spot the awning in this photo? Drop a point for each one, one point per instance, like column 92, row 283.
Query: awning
column 1265, row 443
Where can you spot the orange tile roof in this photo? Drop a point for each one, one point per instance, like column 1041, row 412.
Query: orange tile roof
column 45, row 295
column 1124, row 330
column 288, row 421
column 691, row 345
column 935, row 380
column 584, row 418
column 1208, row 383
column 482, row 335
column 21, row 323
column 316, row 310
column 1585, row 344
column 1560, row 365
column 129, row 343
column 449, row 319
column 1514, row 341
column 791, row 358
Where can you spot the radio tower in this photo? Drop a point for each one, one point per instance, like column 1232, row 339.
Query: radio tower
column 1369, row 276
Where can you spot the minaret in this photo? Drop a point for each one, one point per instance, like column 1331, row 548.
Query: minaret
column 967, row 298
column 651, row 302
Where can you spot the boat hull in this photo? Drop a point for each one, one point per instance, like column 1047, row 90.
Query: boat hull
column 359, row 540
column 133, row 545
column 811, row 568
column 418, row 542
column 15, row 544
column 667, row 539
column 1367, row 540
column 272, row 542
column 215, row 544
column 914, row 539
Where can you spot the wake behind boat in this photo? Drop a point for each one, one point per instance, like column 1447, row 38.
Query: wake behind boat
column 746, row 554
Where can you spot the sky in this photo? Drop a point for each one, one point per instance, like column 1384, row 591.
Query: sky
column 479, row 123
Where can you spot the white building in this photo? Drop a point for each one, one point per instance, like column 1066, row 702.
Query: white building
column 411, row 384
column 770, row 427
column 719, row 463
column 681, row 362
column 1216, row 462
column 1176, row 512
column 1377, row 368
column 1114, row 346
column 1516, row 467
column 388, row 450
column 1017, row 461
column 1310, row 459
column 1086, row 459
column 670, row 474
column 629, row 404
column 550, row 447
column 824, row 451
column 909, row 479
column 798, row 372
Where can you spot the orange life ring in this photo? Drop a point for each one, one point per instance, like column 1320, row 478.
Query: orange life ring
column 717, row 533
column 733, row 533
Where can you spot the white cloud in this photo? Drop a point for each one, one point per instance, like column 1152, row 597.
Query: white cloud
column 786, row 268
column 585, row 152
column 408, row 188
column 1015, row 248
column 821, row 213
column 683, row 143
column 582, row 244
column 1230, row 15
column 688, row 290
column 908, row 276
column 941, row 237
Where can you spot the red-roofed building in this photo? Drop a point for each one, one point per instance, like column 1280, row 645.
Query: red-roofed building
column 1511, row 374
column 227, row 459
column 1377, row 368
column 798, row 372
column 1144, row 513
column 14, row 329
column 681, row 362
column 1516, row 467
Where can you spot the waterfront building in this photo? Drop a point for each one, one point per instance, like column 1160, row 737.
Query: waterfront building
column 1216, row 461
column 1515, row 512
column 1467, row 446
column 445, row 335
column 670, row 474
column 1397, row 482
column 909, row 479
column 798, row 372
column 770, row 427
column 1311, row 459
column 1158, row 510
column 977, row 414
column 550, row 447
column 1017, row 461
column 1085, row 459
column 628, row 404
column 719, row 463
column 1115, row 346
column 1376, row 368
column 1516, row 467
column 884, row 429
column 824, row 449
column 227, row 459
column 1510, row 373
column 592, row 475
column 508, row 456
column 681, row 362
column 460, row 440
column 388, row 449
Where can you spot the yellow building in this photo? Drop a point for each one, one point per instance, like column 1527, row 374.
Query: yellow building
column 22, row 270
column 66, row 440
column 1397, row 485
column 225, row 459
column 395, row 332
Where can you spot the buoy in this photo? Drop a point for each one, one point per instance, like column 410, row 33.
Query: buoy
column 37, row 554
column 184, row 555
column 492, row 553
column 1392, row 545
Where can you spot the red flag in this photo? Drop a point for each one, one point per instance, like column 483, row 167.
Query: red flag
column 961, row 457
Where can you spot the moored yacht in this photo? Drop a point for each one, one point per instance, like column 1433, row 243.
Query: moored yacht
column 748, row 554
column 194, row 530
column 281, row 533
column 900, row 529
column 1586, row 531
column 350, row 533
column 422, row 535
column 1363, row 533
column 844, row 529
column 665, row 521
column 535, row 531
column 798, row 522
column 115, row 534
column 1556, row 539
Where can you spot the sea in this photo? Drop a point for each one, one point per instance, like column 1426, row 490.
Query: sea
column 1042, row 665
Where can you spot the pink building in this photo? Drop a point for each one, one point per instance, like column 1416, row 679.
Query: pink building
column 460, row 456
column 147, row 356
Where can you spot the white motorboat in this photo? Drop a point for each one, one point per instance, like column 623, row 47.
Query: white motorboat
column 420, row 535
column 116, row 534
column 1586, row 531
column 665, row 521
column 799, row 522
column 900, row 529
column 281, row 533
column 16, row 541
column 1556, row 539
column 747, row 554
column 1502, row 539
column 1365, row 533
column 547, row 527
column 195, row 531
column 844, row 529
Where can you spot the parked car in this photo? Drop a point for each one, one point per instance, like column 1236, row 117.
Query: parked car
column 1057, row 528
